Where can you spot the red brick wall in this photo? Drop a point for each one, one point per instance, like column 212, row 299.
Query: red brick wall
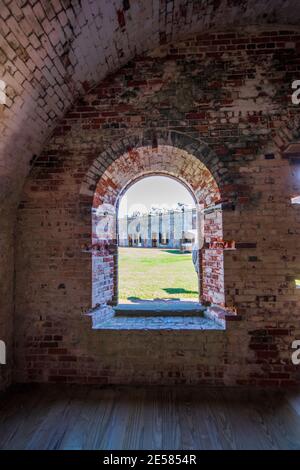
column 213, row 259
column 230, row 91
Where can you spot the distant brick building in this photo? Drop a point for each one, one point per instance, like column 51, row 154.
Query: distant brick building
column 171, row 229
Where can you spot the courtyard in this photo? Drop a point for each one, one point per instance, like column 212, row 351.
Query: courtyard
column 151, row 273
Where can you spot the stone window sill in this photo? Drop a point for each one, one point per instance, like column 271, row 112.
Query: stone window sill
column 169, row 323
column 153, row 315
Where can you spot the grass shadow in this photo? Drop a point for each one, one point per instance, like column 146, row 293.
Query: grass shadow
column 174, row 252
column 138, row 300
column 178, row 290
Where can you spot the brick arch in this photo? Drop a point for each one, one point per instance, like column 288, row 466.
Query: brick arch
column 164, row 159
column 103, row 195
column 153, row 140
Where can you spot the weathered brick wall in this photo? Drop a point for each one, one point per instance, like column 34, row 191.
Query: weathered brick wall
column 6, row 289
column 213, row 259
column 231, row 91
column 52, row 51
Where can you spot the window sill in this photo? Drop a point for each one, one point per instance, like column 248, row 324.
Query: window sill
column 155, row 316
column 166, row 323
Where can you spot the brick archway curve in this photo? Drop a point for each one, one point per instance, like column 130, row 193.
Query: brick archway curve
column 153, row 139
column 164, row 160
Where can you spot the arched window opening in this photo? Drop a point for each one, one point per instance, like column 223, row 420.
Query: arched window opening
column 205, row 218
column 158, row 242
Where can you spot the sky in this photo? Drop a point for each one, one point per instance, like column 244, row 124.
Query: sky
column 154, row 190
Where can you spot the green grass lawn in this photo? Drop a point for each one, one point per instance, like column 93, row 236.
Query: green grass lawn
column 156, row 273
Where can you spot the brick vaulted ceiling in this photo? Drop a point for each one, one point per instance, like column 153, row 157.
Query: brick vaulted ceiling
column 51, row 51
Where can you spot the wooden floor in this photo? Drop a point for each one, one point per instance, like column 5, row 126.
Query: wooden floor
column 56, row 417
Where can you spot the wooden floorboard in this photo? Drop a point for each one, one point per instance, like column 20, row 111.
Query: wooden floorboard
column 151, row 418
